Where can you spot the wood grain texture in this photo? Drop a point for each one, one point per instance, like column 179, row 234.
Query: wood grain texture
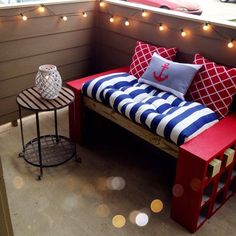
column 207, row 43
column 43, row 39
column 28, row 65
column 67, row 72
column 132, row 127
column 44, row 44
column 39, row 24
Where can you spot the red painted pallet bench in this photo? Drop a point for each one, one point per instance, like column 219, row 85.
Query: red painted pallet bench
column 197, row 195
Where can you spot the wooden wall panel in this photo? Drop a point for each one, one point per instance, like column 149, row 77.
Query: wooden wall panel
column 67, row 72
column 28, row 65
column 43, row 24
column 44, row 44
column 209, row 44
column 80, row 44
column 43, row 39
column 112, row 58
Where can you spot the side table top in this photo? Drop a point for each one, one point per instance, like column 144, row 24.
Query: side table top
column 31, row 99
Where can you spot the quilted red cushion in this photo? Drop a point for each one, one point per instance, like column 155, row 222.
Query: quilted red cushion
column 143, row 55
column 214, row 86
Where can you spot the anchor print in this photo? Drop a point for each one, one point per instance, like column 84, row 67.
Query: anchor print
column 159, row 77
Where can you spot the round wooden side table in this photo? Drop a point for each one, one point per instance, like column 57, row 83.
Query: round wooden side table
column 47, row 150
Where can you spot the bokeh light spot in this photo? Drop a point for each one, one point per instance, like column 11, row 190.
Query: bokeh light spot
column 132, row 216
column 115, row 183
column 18, row 182
column 178, row 190
column 141, row 219
column 102, row 211
column 156, row 205
column 118, row 221
column 195, row 184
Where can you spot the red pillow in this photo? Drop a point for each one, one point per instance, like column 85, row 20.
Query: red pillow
column 214, row 86
column 143, row 55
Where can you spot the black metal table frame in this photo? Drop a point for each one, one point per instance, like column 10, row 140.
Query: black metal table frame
column 38, row 138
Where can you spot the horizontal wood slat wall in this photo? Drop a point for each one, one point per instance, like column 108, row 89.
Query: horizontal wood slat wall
column 43, row 39
column 78, row 44
column 120, row 40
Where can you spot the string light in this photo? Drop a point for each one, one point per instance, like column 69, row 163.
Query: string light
column 101, row 3
column 24, row 17
column 206, row 26
column 161, row 27
column 183, row 33
column 126, row 22
column 231, row 44
column 144, row 13
column 41, row 8
column 64, row 18
column 111, row 19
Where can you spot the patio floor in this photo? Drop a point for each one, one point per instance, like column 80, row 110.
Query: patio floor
column 82, row 199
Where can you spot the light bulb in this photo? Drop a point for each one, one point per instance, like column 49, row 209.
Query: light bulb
column 183, row 33
column 144, row 13
column 24, row 17
column 101, row 3
column 126, row 22
column 84, row 14
column 111, row 19
column 161, row 27
column 64, row 18
column 41, row 8
column 206, row 26
column 231, row 44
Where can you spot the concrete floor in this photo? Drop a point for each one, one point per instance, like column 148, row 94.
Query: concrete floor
column 82, row 199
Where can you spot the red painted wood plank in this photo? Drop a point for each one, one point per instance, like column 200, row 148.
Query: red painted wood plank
column 213, row 140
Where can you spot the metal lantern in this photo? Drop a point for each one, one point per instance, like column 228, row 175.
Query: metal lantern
column 48, row 81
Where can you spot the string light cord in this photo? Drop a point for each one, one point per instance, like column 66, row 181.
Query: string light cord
column 126, row 19
column 52, row 13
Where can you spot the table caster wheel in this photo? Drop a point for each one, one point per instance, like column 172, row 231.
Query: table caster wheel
column 39, row 177
column 21, row 154
column 78, row 159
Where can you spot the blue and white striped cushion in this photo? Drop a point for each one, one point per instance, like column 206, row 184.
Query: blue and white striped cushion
column 162, row 112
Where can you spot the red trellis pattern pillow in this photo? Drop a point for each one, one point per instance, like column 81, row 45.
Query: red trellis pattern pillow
column 143, row 55
column 214, row 86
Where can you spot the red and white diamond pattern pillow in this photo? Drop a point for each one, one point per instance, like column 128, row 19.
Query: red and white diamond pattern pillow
column 214, row 86
column 143, row 55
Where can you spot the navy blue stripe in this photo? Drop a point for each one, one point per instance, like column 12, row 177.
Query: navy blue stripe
column 145, row 114
column 121, row 84
column 107, row 78
column 136, row 92
column 165, row 95
column 152, row 100
column 173, row 122
column 195, row 126
column 119, row 99
column 176, row 102
column 123, row 108
column 163, row 108
column 85, row 87
column 134, row 110
column 108, row 95
column 155, row 122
